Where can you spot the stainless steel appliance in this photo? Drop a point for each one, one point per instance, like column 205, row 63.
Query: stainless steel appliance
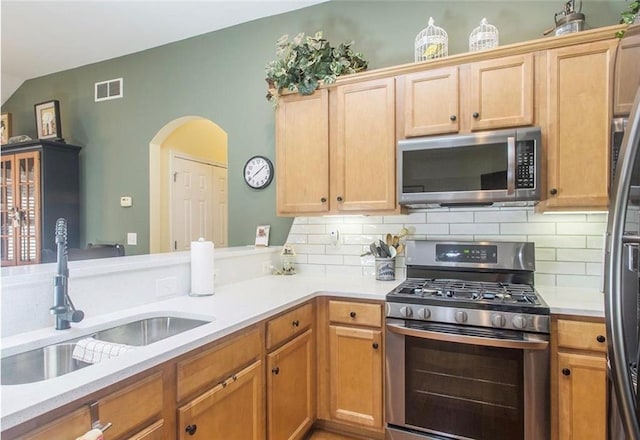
column 622, row 293
column 484, row 168
column 467, row 352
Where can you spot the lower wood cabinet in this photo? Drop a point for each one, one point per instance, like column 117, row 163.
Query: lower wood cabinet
column 231, row 410
column 291, row 384
column 579, row 380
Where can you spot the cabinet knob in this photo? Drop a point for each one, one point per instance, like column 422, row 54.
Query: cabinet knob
column 352, row 314
column 600, row 339
column 553, row 191
column 234, row 377
column 453, row 117
column 275, row 370
column 295, row 323
column 339, row 198
column 191, row 429
column 375, row 345
column 566, row 372
column 323, row 200
column 475, row 115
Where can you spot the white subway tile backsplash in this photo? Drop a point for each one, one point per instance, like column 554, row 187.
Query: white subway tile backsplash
column 568, row 246
column 311, row 269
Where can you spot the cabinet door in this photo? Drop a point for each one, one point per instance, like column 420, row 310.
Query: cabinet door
column 232, row 410
column 363, row 145
column 290, row 389
column 627, row 71
column 578, row 126
column 302, row 153
column 69, row 426
column 355, row 363
column 153, row 432
column 502, row 92
column 582, row 397
column 430, row 103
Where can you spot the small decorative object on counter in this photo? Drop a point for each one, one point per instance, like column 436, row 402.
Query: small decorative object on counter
column 483, row 37
column 385, row 269
column 262, row 235
column 5, row 128
column 568, row 20
column 288, row 258
column 202, row 268
column 431, row 42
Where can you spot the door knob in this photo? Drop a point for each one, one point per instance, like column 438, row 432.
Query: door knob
column 600, row 339
column 339, row 198
column 566, row 372
column 375, row 345
column 191, row 429
column 453, row 117
column 475, row 115
column 275, row 370
column 553, row 191
column 352, row 314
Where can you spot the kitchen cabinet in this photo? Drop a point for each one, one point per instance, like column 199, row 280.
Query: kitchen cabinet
column 39, row 183
column 490, row 94
column 578, row 379
column 352, row 358
column 291, row 374
column 578, row 97
column 228, row 380
column 70, row 426
column 336, row 150
column 627, row 71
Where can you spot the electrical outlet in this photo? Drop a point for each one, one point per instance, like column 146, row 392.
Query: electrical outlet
column 334, row 236
column 166, row 287
column 132, row 238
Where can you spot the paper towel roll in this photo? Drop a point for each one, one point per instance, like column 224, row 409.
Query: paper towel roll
column 202, row 268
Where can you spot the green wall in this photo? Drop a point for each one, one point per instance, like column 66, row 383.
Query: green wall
column 220, row 76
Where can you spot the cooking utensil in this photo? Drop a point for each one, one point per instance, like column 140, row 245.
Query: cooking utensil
column 392, row 252
column 395, row 241
column 386, row 253
column 400, row 248
column 389, row 240
column 374, row 250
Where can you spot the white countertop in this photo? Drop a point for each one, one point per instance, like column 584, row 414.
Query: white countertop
column 233, row 307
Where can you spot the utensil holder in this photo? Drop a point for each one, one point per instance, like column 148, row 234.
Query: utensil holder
column 385, row 269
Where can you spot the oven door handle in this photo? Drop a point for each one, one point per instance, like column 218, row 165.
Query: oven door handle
column 534, row 344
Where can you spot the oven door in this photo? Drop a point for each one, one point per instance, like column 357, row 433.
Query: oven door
column 454, row 382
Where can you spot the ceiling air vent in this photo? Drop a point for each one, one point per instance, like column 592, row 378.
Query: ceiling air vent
column 111, row 89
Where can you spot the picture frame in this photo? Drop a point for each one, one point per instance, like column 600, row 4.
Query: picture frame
column 5, row 128
column 48, row 120
column 262, row 235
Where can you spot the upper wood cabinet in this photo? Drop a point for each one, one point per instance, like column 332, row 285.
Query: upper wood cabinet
column 579, row 101
column 336, row 150
column 627, row 71
column 489, row 94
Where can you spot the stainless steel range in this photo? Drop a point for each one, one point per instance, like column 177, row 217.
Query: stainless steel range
column 467, row 344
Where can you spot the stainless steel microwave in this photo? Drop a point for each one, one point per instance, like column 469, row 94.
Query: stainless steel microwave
column 500, row 167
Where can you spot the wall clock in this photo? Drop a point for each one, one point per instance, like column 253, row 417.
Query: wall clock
column 258, row 172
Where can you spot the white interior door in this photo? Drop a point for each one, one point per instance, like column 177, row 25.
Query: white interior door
column 192, row 198
column 220, row 207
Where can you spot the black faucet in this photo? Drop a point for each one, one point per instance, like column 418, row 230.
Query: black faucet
column 63, row 308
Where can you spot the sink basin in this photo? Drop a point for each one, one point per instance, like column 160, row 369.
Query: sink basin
column 40, row 364
column 147, row 331
column 56, row 359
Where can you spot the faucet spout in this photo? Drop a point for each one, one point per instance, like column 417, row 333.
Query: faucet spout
column 63, row 308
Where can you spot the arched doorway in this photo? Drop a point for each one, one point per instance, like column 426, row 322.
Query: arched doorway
column 187, row 139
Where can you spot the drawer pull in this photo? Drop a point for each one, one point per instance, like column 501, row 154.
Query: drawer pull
column 295, row 323
column 234, row 377
column 475, row 115
column 191, row 429
column 275, row 370
column 453, row 117
column 566, row 372
column 375, row 345
column 600, row 339
column 352, row 314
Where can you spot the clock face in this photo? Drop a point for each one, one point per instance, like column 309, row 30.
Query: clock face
column 258, row 172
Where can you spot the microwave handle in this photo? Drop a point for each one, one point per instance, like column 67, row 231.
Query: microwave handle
column 511, row 165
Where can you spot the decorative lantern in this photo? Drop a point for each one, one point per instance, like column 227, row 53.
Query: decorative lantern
column 483, row 37
column 431, row 42
column 288, row 258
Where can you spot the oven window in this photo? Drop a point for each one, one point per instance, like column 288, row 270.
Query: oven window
column 464, row 390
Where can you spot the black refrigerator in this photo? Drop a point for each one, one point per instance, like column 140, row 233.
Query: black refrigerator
column 622, row 293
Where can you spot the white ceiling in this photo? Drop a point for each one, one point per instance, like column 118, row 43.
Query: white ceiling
column 40, row 37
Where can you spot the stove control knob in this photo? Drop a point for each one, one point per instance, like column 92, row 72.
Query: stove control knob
column 406, row 311
column 424, row 313
column 461, row 317
column 519, row 322
column 498, row 320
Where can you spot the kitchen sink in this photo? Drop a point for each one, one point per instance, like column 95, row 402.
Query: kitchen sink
column 56, row 359
column 147, row 331
column 40, row 364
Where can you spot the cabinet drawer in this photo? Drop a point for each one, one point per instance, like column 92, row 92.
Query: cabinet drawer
column 347, row 312
column 70, row 426
column 582, row 335
column 288, row 325
column 209, row 366
column 153, row 432
column 132, row 407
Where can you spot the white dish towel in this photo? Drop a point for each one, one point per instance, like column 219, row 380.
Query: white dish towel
column 91, row 350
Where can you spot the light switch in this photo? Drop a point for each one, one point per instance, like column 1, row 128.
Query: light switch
column 132, row 238
column 126, row 201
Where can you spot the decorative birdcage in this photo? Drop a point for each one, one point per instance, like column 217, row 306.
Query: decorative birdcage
column 431, row 42
column 483, row 37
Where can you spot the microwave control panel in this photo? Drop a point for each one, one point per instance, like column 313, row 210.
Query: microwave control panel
column 525, row 168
